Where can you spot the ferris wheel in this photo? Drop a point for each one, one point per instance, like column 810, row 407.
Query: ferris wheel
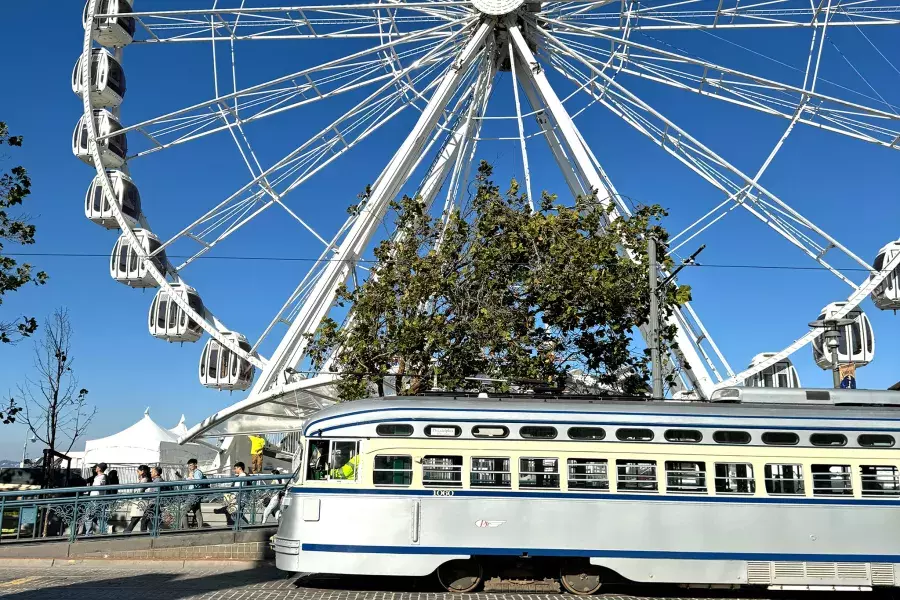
column 462, row 73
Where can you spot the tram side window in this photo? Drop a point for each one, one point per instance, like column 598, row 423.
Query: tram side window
column 490, row 472
column 392, row 469
column 784, row 479
column 875, row 440
column 332, row 459
column 636, row 475
column 539, row 473
column 588, row 474
column 735, row 478
column 442, row 471
column 879, row 480
column 685, row 477
column 831, row 480
column 318, row 460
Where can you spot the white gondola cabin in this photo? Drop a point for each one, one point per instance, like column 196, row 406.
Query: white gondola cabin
column 115, row 30
column 107, row 79
column 856, row 344
column 113, row 149
column 887, row 295
column 97, row 207
column 170, row 322
column 780, row 375
column 222, row 369
column 126, row 266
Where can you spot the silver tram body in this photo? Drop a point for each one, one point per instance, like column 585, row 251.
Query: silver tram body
column 775, row 487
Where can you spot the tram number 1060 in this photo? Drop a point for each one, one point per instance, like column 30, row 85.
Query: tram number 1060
column 443, row 492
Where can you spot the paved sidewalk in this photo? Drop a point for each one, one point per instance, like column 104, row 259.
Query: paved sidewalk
column 112, row 581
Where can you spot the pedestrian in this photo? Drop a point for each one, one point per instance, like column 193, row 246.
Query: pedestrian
column 138, row 509
column 93, row 507
column 234, row 501
column 194, row 473
column 274, row 505
column 257, row 445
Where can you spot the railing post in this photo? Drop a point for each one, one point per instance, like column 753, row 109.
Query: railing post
column 73, row 526
column 156, row 521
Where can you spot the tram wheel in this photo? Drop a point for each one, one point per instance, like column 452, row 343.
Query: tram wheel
column 460, row 576
column 580, row 578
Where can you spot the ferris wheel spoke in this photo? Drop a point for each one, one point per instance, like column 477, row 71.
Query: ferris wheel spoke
column 308, row 86
column 287, row 23
column 826, row 112
column 739, row 187
column 321, row 149
column 726, row 15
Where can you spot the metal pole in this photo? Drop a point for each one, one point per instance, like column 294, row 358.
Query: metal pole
column 835, row 367
column 654, row 320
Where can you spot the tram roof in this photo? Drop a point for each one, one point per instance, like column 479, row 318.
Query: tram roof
column 749, row 402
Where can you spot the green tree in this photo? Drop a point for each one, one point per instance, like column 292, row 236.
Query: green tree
column 15, row 187
column 500, row 291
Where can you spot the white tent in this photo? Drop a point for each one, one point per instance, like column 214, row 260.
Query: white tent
column 145, row 442
column 180, row 429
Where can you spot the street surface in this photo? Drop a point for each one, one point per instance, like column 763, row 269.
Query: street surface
column 128, row 582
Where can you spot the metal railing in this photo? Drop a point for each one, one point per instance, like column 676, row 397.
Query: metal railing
column 153, row 509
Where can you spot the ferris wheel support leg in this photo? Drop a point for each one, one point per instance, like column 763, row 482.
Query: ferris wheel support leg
column 694, row 366
column 292, row 347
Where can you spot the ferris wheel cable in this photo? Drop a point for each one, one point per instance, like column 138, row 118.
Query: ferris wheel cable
column 468, row 21
column 880, row 53
column 641, row 124
column 286, row 160
column 725, row 70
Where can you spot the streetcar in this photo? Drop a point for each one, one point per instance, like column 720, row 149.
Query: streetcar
column 781, row 488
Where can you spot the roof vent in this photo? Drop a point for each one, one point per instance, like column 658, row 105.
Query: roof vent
column 726, row 395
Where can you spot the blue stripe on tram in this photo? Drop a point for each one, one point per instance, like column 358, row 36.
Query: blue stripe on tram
column 603, row 553
column 445, row 493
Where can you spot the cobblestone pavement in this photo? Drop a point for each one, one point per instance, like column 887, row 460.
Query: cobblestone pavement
column 266, row 583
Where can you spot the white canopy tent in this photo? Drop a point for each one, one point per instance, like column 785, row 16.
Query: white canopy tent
column 145, row 442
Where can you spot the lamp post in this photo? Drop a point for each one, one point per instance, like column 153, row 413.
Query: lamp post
column 25, row 449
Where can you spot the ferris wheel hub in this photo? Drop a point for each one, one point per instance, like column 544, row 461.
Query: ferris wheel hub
column 497, row 7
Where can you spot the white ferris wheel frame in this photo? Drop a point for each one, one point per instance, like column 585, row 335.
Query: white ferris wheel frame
column 579, row 166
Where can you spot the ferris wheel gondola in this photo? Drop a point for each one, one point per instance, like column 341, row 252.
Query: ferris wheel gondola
column 107, row 79
column 168, row 321
column 856, row 344
column 126, row 196
column 126, row 263
column 222, row 369
column 113, row 147
column 115, row 30
column 887, row 295
column 782, row 374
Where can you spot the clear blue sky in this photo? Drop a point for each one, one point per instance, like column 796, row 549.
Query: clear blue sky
column 846, row 186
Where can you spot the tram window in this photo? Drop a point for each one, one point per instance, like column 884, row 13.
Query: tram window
column 586, row 433
column 780, row 438
column 539, row 473
column 344, row 460
column 317, row 467
column 683, row 436
column 828, row 439
column 392, row 470
column 443, row 431
column 442, row 471
column 685, row 477
column 394, row 429
column 634, row 435
column 588, row 474
column 875, row 440
column 880, row 480
column 831, row 480
column 731, row 437
column 636, row 475
column 784, row 479
column 533, row 432
column 490, row 431
column 735, row 478
column 490, row 472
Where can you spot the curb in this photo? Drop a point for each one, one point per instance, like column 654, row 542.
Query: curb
column 107, row 563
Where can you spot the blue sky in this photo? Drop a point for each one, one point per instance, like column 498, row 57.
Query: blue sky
column 847, row 187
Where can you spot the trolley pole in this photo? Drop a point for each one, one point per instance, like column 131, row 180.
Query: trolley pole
column 654, row 321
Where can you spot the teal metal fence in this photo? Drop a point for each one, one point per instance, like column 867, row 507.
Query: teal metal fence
column 152, row 509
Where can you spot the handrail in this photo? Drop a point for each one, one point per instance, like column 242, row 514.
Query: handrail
column 87, row 489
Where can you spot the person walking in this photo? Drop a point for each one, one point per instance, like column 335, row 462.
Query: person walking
column 193, row 474
column 138, row 511
column 93, row 508
column 233, row 501
column 257, row 445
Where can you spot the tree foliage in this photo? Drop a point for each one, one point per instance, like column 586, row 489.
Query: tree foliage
column 500, row 291
column 15, row 187
column 55, row 408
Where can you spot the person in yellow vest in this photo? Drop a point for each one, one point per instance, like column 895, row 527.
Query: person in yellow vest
column 347, row 470
column 257, row 444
